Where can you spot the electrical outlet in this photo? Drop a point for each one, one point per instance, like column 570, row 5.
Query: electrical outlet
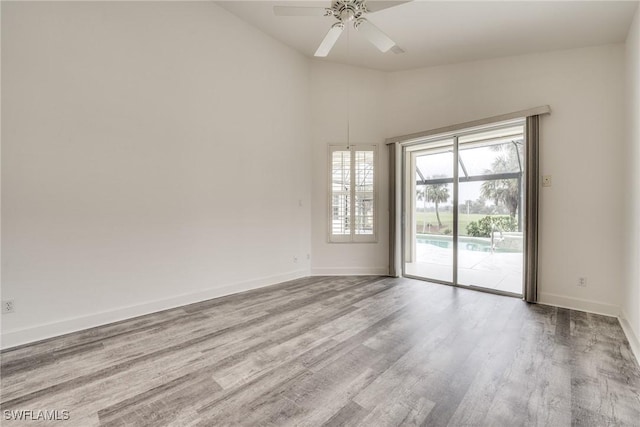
column 582, row 282
column 308, row 256
column 8, row 306
column 546, row 181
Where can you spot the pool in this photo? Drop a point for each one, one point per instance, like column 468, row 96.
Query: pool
column 465, row 243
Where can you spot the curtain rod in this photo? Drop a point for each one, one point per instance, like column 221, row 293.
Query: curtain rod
column 545, row 109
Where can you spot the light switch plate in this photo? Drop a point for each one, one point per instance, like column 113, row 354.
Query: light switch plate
column 546, row 181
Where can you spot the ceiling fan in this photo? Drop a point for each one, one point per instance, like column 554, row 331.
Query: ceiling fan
column 347, row 11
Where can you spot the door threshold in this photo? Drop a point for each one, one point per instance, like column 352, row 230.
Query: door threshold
column 472, row 288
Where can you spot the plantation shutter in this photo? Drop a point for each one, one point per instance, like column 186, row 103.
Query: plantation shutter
column 352, row 193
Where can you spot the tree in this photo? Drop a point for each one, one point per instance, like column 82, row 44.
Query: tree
column 437, row 193
column 504, row 191
column 422, row 194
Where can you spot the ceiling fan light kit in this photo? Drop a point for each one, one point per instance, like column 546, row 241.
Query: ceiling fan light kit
column 346, row 11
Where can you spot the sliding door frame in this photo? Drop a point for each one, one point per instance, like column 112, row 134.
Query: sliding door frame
column 454, row 135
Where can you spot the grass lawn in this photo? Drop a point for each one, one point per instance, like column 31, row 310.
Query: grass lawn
column 447, row 221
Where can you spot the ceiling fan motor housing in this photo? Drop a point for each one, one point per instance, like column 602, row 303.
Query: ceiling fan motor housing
column 348, row 10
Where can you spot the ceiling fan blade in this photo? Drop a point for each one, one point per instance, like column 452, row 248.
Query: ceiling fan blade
column 374, row 35
column 300, row 11
column 330, row 39
column 376, row 5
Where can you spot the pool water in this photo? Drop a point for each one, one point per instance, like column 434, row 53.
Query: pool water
column 475, row 244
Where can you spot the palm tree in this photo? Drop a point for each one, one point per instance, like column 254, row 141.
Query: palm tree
column 422, row 194
column 504, row 191
column 438, row 193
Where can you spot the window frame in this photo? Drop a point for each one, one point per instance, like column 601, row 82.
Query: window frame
column 352, row 237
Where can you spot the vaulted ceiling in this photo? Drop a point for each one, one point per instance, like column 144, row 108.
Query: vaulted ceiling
column 443, row 32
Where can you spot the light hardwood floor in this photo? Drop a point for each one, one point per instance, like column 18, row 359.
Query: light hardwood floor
column 332, row 351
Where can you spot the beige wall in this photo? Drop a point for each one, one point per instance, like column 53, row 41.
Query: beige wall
column 631, row 296
column 581, row 232
column 341, row 96
column 153, row 154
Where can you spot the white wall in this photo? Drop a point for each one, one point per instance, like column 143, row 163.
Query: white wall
column 582, row 147
column 342, row 98
column 153, row 154
column 631, row 298
column 581, row 231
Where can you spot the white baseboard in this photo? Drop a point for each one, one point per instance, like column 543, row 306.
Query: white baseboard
column 36, row 333
column 350, row 271
column 579, row 304
column 632, row 336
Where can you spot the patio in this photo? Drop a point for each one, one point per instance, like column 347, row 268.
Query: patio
column 499, row 270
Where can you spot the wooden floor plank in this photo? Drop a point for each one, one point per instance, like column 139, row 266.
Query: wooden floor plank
column 334, row 351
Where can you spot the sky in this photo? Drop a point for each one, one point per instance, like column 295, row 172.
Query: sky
column 439, row 164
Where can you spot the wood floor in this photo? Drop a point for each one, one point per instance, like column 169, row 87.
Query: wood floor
column 368, row 351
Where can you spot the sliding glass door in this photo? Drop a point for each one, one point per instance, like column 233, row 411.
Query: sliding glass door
column 463, row 209
column 429, row 248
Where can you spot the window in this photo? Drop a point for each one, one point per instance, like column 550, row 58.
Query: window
column 352, row 193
